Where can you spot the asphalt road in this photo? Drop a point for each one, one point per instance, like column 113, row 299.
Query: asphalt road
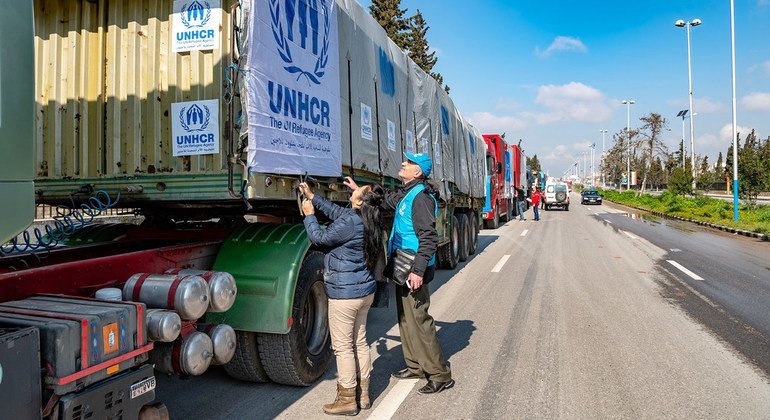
column 585, row 318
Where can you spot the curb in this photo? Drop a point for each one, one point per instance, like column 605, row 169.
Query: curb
column 750, row 234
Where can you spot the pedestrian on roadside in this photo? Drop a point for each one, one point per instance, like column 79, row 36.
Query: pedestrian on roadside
column 537, row 198
column 414, row 229
column 353, row 243
column 521, row 201
column 542, row 198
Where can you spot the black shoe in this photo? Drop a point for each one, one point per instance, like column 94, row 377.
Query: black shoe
column 406, row 374
column 434, row 387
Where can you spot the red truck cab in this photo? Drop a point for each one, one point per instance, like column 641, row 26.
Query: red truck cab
column 499, row 204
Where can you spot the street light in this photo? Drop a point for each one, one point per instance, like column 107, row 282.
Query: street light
column 682, row 23
column 601, row 161
column 628, row 104
column 735, row 116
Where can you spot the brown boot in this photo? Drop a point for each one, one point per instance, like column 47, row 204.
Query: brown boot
column 362, row 394
column 344, row 404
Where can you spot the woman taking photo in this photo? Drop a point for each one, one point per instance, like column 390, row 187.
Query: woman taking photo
column 353, row 243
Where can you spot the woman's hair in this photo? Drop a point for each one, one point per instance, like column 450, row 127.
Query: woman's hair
column 373, row 229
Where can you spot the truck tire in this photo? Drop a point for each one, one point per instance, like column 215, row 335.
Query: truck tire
column 474, row 234
column 301, row 356
column 465, row 238
column 246, row 364
column 448, row 252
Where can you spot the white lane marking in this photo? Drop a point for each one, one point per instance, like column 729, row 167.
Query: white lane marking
column 684, row 270
column 629, row 234
column 676, row 250
column 500, row 264
column 392, row 401
column 525, row 232
column 607, row 221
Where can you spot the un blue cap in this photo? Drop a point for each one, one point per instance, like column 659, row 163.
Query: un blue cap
column 422, row 160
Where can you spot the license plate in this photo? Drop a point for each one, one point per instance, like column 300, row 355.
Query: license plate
column 142, row 387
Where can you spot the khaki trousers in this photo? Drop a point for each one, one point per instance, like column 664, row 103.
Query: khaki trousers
column 347, row 324
column 422, row 350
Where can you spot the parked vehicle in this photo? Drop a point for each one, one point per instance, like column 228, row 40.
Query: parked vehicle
column 220, row 269
column 506, row 170
column 590, row 197
column 556, row 195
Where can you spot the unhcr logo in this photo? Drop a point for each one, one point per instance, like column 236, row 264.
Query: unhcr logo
column 195, row 14
column 193, row 119
column 304, row 23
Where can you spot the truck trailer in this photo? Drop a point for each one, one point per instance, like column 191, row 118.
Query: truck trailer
column 201, row 117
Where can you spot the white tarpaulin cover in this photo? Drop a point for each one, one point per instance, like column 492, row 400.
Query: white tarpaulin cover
column 294, row 84
column 380, row 103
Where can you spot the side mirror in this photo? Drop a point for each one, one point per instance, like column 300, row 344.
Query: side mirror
column 499, row 167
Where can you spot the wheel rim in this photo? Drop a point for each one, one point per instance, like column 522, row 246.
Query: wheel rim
column 315, row 319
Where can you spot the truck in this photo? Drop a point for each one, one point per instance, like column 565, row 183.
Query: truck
column 506, row 170
column 201, row 118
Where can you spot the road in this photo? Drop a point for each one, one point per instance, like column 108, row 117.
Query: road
column 594, row 314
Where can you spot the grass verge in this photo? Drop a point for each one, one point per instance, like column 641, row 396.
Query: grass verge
column 705, row 209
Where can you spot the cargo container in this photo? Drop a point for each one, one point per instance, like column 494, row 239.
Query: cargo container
column 203, row 117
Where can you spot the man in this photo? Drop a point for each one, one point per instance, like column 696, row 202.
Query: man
column 414, row 228
column 521, row 201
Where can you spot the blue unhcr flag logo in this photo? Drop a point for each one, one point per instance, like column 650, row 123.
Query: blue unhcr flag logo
column 195, row 14
column 194, row 119
column 298, row 22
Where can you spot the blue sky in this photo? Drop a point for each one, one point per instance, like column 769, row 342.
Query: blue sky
column 554, row 73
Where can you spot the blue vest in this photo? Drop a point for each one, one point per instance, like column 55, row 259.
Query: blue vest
column 403, row 235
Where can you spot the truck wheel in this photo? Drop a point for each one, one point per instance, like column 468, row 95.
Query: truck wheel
column 465, row 238
column 246, row 364
column 448, row 252
column 474, row 220
column 301, row 356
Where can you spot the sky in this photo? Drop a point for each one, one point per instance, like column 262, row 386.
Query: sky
column 554, row 73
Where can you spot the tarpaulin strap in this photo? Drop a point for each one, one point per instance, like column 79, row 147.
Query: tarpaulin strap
column 138, row 286
column 83, row 329
column 172, row 291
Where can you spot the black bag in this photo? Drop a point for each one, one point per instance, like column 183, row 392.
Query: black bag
column 400, row 266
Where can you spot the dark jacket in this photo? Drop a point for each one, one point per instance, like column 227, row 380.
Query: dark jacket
column 423, row 219
column 345, row 273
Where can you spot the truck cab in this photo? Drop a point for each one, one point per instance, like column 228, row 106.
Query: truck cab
column 498, row 204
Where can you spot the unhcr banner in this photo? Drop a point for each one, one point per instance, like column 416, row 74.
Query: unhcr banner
column 294, row 88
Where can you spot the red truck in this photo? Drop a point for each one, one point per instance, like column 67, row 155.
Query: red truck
column 506, row 169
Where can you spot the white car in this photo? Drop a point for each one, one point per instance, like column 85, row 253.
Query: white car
column 557, row 195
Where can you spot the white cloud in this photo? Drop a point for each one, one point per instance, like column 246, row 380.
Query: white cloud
column 726, row 133
column 757, row 101
column 560, row 152
column 487, row 122
column 763, row 67
column 571, row 102
column 562, row 43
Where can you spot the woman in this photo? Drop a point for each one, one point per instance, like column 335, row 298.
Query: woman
column 354, row 246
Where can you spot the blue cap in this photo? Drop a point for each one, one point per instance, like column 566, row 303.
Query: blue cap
column 422, row 160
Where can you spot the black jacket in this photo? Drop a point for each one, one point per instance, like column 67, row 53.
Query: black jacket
column 345, row 273
column 423, row 219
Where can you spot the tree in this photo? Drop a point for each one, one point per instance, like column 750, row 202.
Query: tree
column 534, row 164
column 614, row 162
column 419, row 50
column 681, row 181
column 390, row 15
column 653, row 146
column 751, row 170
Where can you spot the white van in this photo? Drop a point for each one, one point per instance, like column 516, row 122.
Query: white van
column 557, row 195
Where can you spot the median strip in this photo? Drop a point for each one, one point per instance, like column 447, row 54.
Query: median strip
column 500, row 264
column 684, row 270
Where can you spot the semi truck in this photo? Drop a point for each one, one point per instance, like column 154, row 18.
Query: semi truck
column 202, row 118
column 506, row 170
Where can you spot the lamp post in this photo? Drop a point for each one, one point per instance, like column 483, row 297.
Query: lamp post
column 628, row 104
column 601, row 161
column 735, row 115
column 682, row 23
